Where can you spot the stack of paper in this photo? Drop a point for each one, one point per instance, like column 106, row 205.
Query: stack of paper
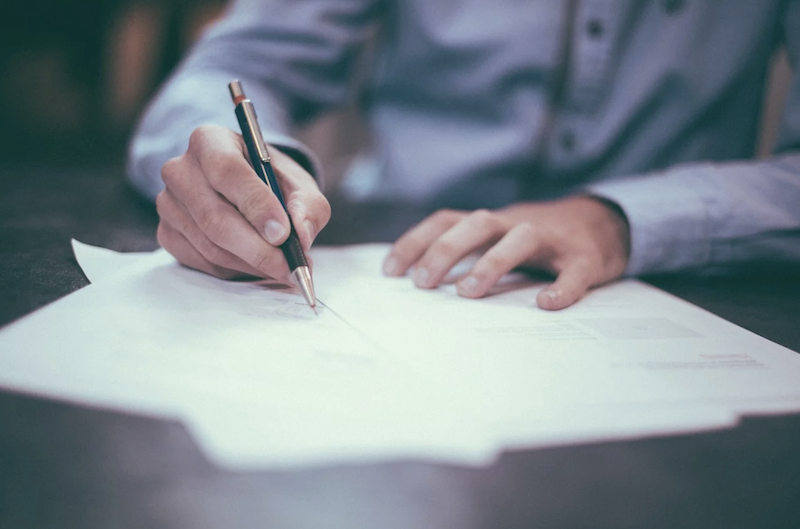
column 386, row 370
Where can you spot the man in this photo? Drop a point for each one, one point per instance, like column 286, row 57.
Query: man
column 590, row 139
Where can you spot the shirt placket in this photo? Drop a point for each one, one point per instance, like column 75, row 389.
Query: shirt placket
column 589, row 57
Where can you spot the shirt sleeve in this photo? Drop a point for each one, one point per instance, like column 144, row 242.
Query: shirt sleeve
column 720, row 216
column 711, row 216
column 294, row 60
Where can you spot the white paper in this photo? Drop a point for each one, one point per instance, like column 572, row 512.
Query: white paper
column 101, row 263
column 387, row 371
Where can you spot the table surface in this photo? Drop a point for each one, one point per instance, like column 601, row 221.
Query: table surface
column 69, row 466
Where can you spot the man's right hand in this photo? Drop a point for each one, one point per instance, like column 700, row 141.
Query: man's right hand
column 217, row 216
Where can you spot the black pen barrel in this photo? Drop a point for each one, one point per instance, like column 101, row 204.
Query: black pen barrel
column 292, row 249
column 260, row 160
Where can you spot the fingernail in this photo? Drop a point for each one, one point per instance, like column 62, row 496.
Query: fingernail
column 311, row 232
column 421, row 276
column 552, row 295
column 390, row 266
column 274, row 231
column 469, row 285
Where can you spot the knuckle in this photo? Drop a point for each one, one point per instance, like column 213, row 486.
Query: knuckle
column 171, row 171
column 263, row 260
column 297, row 210
column 214, row 223
column 161, row 203
column 225, row 161
column 585, row 267
column 527, row 231
column 215, row 255
column 200, row 136
column 483, row 216
column 444, row 247
column 403, row 246
column 490, row 264
column 482, row 273
column 162, row 236
column 446, row 216
column 254, row 204
column 321, row 207
column 222, row 165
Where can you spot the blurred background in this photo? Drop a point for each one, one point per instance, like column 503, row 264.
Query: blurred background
column 74, row 76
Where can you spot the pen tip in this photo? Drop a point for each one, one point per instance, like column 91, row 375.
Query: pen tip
column 302, row 277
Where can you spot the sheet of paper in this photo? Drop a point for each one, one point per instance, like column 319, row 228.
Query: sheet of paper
column 153, row 337
column 101, row 263
column 624, row 343
column 387, row 371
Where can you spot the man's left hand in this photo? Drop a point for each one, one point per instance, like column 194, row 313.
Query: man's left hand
column 582, row 240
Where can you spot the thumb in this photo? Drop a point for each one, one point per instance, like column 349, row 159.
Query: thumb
column 570, row 286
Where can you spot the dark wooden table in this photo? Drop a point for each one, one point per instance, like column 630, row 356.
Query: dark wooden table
column 66, row 466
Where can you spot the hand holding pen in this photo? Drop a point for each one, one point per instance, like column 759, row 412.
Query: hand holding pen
column 261, row 161
column 217, row 216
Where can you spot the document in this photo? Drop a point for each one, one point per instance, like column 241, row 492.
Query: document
column 386, row 371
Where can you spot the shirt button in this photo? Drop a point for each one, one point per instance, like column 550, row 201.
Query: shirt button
column 673, row 6
column 594, row 28
column 567, row 140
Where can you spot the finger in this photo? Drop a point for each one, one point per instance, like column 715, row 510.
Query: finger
column 412, row 245
column 173, row 213
column 309, row 209
column 180, row 247
column 221, row 156
column 474, row 231
column 570, row 286
column 221, row 222
column 521, row 244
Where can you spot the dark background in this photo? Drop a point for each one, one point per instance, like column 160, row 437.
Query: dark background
column 75, row 74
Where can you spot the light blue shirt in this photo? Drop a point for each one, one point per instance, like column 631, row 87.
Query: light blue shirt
column 653, row 105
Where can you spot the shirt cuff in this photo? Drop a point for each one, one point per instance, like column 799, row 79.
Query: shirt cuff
column 669, row 220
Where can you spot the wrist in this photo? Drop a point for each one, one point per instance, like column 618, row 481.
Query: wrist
column 613, row 222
